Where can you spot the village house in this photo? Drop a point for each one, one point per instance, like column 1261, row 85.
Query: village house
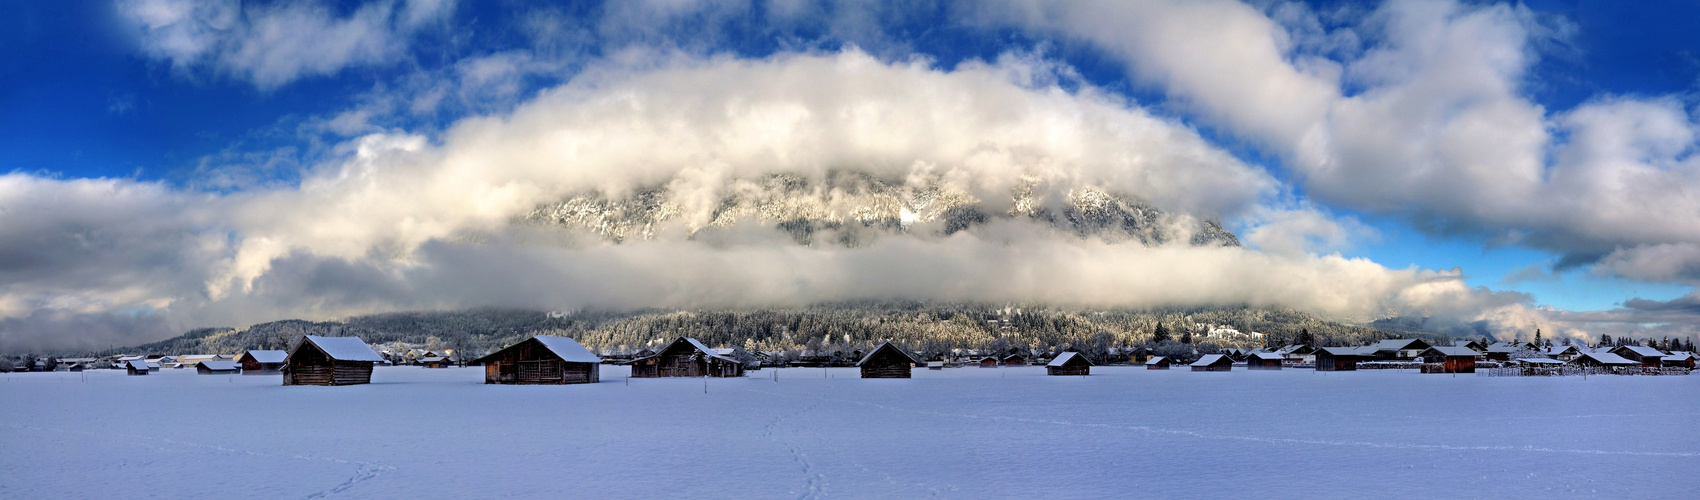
column 436, row 362
column 542, row 359
column 1398, row 349
column 1261, row 360
column 1473, row 345
column 1679, row 360
column 1643, row 355
column 887, row 361
column 1448, row 359
column 1500, row 351
column 319, row 360
column 989, row 363
column 1069, row 363
column 1332, row 359
column 686, row 357
column 1213, row 363
column 1603, row 360
column 1158, row 363
column 217, row 367
column 262, row 362
column 1561, row 352
column 1015, row 360
column 137, row 367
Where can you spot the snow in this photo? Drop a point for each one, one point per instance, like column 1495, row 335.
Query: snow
column 138, row 364
column 1452, row 351
column 1063, row 358
column 568, row 349
column 814, row 433
column 262, row 356
column 220, row 365
column 1207, row 360
column 344, row 348
column 1644, row 351
column 706, row 350
column 1607, row 358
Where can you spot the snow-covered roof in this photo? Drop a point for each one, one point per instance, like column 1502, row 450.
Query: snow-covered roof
column 219, row 365
column 1641, row 350
column 1559, row 349
column 127, row 359
column 1341, row 351
column 883, row 345
column 568, row 349
column 1453, row 351
column 1539, row 361
column 344, row 348
column 1154, row 360
column 261, row 356
column 1065, row 357
column 195, row 358
column 1679, row 357
column 139, row 364
column 1209, row 359
column 1266, row 355
column 1502, row 347
column 1396, row 344
column 706, row 350
column 1605, row 358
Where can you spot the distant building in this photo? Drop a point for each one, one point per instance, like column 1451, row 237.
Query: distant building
column 1158, row 363
column 1264, row 361
column 989, row 363
column 261, row 362
column 436, row 362
column 686, row 357
column 1332, row 359
column 1678, row 360
column 217, row 367
column 137, row 367
column 1213, row 363
column 319, row 360
column 1603, row 360
column 1069, row 363
column 1561, row 352
column 1015, row 360
column 542, row 359
column 887, row 361
column 1646, row 356
column 1401, row 349
column 1448, row 359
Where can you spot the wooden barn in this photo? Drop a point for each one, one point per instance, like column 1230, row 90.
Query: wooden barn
column 1646, row 356
column 1337, row 359
column 887, row 361
column 436, row 362
column 262, row 362
column 1679, row 360
column 1213, row 363
column 137, row 367
column 542, row 360
column 1158, row 363
column 217, row 367
column 1603, row 360
column 989, row 363
column 1264, row 361
column 319, row 360
column 1069, row 363
column 686, row 357
column 1015, row 360
column 1448, row 359
column 1401, row 349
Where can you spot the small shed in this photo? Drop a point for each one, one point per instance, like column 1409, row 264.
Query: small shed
column 261, row 362
column 1679, row 360
column 542, row 359
column 989, row 363
column 1015, row 360
column 887, row 361
column 686, row 357
column 137, row 367
column 319, row 360
column 1398, row 348
column 1069, row 363
column 1448, row 359
column 1603, row 359
column 217, row 367
column 935, row 365
column 436, row 362
column 1334, row 359
column 1261, row 360
column 1158, row 363
column 1213, row 363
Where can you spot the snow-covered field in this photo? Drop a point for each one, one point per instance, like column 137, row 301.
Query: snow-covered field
column 1007, row 432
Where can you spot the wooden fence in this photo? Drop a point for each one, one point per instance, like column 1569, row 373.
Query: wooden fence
column 1568, row 371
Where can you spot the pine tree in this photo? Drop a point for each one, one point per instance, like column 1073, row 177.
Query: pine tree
column 1537, row 336
column 1186, row 337
column 1161, row 334
column 1605, row 340
column 1305, row 338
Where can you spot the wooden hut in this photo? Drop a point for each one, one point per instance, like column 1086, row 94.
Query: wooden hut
column 137, row 367
column 1069, row 363
column 1603, row 360
column 887, row 361
column 1401, row 349
column 319, row 360
column 686, row 357
column 1015, row 360
column 1449, row 359
column 1334, row 359
column 257, row 362
column 436, row 362
column 1264, row 361
column 1213, row 363
column 217, row 367
column 542, row 359
column 1646, row 356
column 989, row 363
column 1158, row 363
column 1678, row 360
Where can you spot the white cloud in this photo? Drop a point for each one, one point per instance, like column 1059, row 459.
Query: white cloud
column 272, row 45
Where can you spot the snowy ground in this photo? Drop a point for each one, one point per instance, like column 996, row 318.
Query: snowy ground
column 1007, row 432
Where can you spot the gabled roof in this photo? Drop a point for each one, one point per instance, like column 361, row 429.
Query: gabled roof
column 1452, row 351
column 695, row 344
column 1397, row 344
column 220, row 365
column 1641, row 350
column 1499, row 347
column 888, row 345
column 1679, row 357
column 1211, row 359
column 1559, row 349
column 1604, row 358
column 1065, row 357
column 1539, row 361
column 1267, row 355
column 568, row 349
column 139, row 364
column 342, row 348
column 1156, row 359
column 268, row 356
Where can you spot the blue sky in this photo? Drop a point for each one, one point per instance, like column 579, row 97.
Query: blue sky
column 193, row 100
